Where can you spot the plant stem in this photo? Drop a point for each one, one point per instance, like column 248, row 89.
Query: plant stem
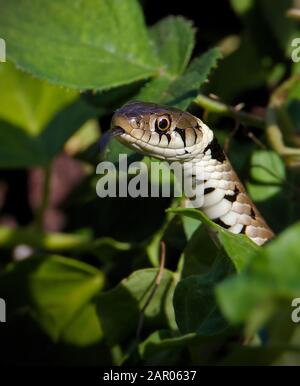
column 270, row 125
column 276, row 141
column 10, row 238
column 218, row 107
column 40, row 214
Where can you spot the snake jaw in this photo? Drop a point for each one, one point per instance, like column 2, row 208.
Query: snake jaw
column 120, row 124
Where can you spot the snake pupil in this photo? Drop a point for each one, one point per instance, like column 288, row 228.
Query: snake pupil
column 162, row 124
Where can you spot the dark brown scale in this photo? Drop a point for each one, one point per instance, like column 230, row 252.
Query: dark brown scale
column 208, row 190
column 181, row 132
column 231, row 197
column 216, row 150
column 221, row 223
column 160, row 133
column 168, row 137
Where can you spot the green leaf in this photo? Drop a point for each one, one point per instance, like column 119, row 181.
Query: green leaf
column 190, row 225
column 241, row 6
column 64, row 125
column 270, row 188
column 181, row 90
column 55, row 288
column 195, row 304
column 199, row 253
column 17, row 149
column 96, row 44
column 154, row 90
column 164, row 339
column 52, row 241
column 119, row 309
column 85, row 330
column 184, row 89
column 107, row 248
column 29, row 103
column 174, row 39
column 260, row 192
column 267, row 167
column 164, row 346
column 114, row 149
column 271, row 277
column 153, row 247
column 82, row 343
column 239, row 248
column 36, row 119
column 83, row 139
column 267, row 172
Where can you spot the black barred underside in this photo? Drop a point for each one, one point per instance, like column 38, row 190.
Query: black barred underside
column 225, row 201
column 181, row 132
column 217, row 152
column 231, row 198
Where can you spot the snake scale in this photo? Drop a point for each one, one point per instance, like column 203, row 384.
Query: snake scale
column 170, row 134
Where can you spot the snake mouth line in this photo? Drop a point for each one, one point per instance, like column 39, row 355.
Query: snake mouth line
column 116, row 131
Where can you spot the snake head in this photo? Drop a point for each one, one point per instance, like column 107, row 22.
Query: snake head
column 160, row 131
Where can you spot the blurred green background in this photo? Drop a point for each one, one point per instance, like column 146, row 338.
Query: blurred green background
column 76, row 271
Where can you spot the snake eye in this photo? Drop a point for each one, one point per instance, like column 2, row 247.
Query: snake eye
column 163, row 123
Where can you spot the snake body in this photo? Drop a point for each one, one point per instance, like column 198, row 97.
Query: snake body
column 170, row 134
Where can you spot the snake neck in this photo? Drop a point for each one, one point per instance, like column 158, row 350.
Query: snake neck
column 223, row 197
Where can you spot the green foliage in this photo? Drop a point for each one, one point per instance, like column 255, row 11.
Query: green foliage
column 36, row 118
column 56, row 289
column 182, row 91
column 29, row 103
column 174, row 86
column 195, row 306
column 270, row 279
column 88, row 293
column 174, row 39
column 267, row 175
column 107, row 37
column 120, row 308
column 165, row 346
column 238, row 247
